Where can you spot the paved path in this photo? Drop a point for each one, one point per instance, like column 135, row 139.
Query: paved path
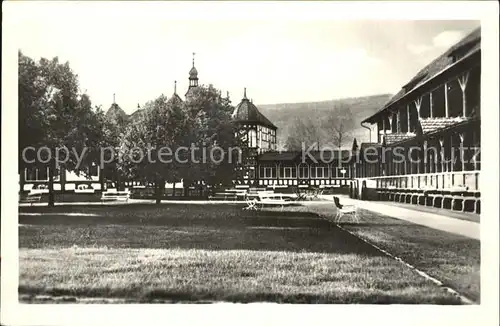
column 435, row 221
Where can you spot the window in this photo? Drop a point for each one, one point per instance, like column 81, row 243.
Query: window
column 335, row 170
column 303, row 172
column 319, row 172
column 267, row 172
column 37, row 174
column 288, row 172
column 252, row 138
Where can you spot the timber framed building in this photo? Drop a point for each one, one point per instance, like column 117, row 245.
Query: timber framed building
column 428, row 136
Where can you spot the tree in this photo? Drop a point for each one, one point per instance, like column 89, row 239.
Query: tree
column 303, row 132
column 338, row 125
column 149, row 147
column 52, row 114
column 214, row 132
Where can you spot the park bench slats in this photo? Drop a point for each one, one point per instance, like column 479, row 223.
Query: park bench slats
column 119, row 195
column 31, row 198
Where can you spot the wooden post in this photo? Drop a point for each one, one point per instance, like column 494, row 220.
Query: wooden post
column 446, row 100
column 431, row 107
column 442, row 153
column 436, row 159
column 62, row 179
column 398, row 122
column 418, row 105
column 22, row 180
column 474, row 141
column 390, row 122
column 451, row 150
column 407, row 162
column 408, row 112
column 462, row 81
column 462, row 153
column 426, row 163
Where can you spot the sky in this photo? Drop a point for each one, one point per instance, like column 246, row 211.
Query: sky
column 136, row 53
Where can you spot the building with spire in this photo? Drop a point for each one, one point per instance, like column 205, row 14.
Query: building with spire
column 193, row 78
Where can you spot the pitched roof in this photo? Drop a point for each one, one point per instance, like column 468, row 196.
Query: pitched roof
column 430, row 125
column 467, row 46
column 175, row 98
column 328, row 155
column 279, row 156
column 395, row 138
column 247, row 112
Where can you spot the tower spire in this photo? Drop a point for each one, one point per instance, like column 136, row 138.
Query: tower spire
column 114, row 102
column 193, row 58
column 175, row 86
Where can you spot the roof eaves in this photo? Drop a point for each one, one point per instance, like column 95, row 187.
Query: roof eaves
column 402, row 96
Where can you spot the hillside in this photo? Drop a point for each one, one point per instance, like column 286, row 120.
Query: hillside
column 282, row 115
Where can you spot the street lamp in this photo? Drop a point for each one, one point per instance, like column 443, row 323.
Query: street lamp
column 343, row 171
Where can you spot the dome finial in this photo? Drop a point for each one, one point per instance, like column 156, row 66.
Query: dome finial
column 175, row 86
column 245, row 93
column 193, row 58
column 114, row 102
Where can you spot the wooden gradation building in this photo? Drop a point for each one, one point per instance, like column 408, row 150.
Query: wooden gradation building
column 427, row 150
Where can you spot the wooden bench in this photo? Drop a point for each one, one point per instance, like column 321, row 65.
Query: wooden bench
column 223, row 196
column 35, row 198
column 115, row 196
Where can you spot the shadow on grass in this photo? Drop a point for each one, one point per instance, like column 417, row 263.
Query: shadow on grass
column 210, row 227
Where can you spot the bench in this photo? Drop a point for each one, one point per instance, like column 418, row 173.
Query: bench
column 114, row 196
column 223, row 196
column 31, row 199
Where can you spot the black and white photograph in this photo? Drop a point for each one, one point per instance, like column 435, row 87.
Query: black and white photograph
column 219, row 153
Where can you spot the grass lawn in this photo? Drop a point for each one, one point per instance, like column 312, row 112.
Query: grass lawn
column 182, row 252
column 452, row 259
